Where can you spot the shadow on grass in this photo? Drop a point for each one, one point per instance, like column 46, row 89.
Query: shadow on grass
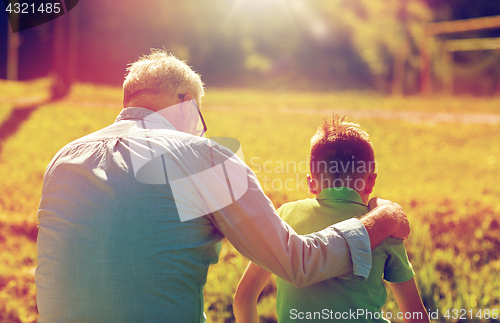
column 59, row 89
column 18, row 115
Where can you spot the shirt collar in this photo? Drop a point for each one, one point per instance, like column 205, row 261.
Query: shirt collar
column 136, row 113
column 340, row 194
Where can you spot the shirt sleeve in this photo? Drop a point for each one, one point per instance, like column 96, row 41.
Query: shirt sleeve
column 398, row 268
column 355, row 234
column 252, row 225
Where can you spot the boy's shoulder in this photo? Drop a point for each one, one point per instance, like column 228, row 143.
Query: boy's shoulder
column 299, row 204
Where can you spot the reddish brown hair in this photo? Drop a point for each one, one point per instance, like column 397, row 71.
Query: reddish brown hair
column 340, row 148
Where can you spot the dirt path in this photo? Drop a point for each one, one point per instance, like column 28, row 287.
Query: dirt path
column 403, row 115
column 409, row 116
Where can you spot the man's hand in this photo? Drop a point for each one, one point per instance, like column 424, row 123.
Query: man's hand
column 385, row 219
column 395, row 212
column 376, row 201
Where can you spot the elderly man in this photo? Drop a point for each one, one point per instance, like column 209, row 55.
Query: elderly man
column 131, row 216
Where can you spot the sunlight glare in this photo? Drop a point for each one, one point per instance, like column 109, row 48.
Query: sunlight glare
column 319, row 30
column 295, row 11
column 311, row 19
column 257, row 6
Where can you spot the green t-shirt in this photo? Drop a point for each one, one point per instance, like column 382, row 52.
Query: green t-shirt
column 338, row 299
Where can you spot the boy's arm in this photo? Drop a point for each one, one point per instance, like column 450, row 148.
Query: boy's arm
column 409, row 301
column 252, row 283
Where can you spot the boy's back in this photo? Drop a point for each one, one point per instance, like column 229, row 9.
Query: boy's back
column 339, row 298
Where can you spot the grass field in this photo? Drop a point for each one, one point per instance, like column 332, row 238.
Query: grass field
column 444, row 174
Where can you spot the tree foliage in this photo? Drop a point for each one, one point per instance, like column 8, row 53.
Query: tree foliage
column 311, row 44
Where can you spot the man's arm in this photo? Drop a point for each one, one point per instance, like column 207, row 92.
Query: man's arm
column 409, row 301
column 252, row 225
column 252, row 283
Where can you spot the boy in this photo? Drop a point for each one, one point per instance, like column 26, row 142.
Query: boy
column 342, row 178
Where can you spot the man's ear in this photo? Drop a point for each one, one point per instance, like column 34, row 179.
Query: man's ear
column 370, row 183
column 313, row 185
column 187, row 97
column 185, row 104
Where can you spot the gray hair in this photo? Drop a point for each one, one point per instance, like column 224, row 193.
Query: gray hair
column 161, row 72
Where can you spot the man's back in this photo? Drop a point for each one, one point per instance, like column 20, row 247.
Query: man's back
column 112, row 249
column 339, row 295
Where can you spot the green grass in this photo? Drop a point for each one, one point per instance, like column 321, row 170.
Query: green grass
column 237, row 99
column 443, row 174
column 18, row 92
